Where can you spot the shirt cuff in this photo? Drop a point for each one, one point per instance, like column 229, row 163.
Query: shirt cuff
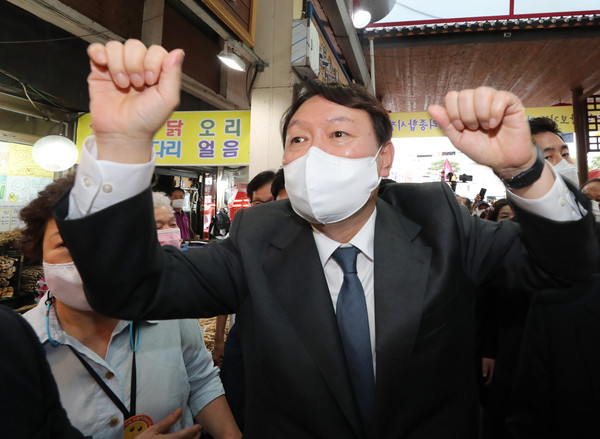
column 102, row 183
column 559, row 203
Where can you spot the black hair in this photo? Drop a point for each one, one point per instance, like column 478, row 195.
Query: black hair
column 259, row 180
column 351, row 96
column 176, row 189
column 495, row 209
column 278, row 183
column 539, row 125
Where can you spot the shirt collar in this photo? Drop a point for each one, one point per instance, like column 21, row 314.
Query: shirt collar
column 37, row 320
column 364, row 240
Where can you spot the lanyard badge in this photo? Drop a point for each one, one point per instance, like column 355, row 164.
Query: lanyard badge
column 136, row 425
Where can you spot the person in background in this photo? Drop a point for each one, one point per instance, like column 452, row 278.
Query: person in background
column 556, row 393
column 259, row 188
column 548, row 138
column 592, row 189
column 481, row 209
column 183, row 222
column 505, row 312
column 464, row 201
column 488, row 334
column 110, row 372
column 219, row 224
column 500, row 210
column 278, row 186
column 306, row 274
column 166, row 223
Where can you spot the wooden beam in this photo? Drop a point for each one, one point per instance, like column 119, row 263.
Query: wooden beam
column 195, row 88
column 590, row 92
column 581, row 132
column 68, row 19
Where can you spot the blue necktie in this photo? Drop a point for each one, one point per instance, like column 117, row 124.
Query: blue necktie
column 353, row 323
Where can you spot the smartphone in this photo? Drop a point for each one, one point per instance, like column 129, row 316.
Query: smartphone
column 482, row 192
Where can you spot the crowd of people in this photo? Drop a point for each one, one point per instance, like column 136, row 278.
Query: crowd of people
column 358, row 313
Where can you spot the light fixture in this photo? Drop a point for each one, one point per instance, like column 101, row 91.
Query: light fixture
column 230, row 59
column 360, row 16
column 54, row 153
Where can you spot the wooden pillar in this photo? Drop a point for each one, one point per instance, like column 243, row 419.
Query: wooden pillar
column 581, row 132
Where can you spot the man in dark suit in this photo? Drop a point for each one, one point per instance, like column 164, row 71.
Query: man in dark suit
column 557, row 392
column 380, row 349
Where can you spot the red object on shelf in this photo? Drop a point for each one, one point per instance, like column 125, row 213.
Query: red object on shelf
column 240, row 201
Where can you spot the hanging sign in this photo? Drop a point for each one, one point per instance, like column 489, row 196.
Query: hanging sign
column 421, row 124
column 195, row 138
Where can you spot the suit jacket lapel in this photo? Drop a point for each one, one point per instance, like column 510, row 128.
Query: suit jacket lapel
column 401, row 274
column 295, row 273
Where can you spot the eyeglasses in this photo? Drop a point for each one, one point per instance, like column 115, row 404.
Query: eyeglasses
column 259, row 201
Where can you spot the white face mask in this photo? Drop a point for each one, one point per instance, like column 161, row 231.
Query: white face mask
column 178, row 204
column 567, row 171
column 169, row 237
column 325, row 189
column 64, row 282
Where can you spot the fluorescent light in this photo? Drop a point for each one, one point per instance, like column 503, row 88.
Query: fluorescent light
column 54, row 153
column 231, row 60
column 361, row 18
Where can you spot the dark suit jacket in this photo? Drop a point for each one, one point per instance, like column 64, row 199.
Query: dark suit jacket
column 557, row 388
column 29, row 403
column 268, row 271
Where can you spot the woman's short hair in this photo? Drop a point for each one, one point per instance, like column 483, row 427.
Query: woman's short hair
column 36, row 215
column 495, row 209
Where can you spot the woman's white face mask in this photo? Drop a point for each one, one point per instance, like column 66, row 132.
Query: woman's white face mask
column 64, row 283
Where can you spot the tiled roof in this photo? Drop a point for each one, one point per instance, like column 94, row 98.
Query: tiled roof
column 509, row 24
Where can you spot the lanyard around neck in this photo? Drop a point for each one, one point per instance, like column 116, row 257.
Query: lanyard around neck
column 133, row 327
column 114, row 398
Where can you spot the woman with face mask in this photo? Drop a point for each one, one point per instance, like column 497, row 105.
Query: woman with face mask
column 116, row 378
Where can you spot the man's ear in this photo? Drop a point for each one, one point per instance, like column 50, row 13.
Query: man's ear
column 386, row 159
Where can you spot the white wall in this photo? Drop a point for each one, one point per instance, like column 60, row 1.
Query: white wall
column 273, row 89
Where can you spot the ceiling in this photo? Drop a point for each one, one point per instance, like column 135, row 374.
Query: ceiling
column 540, row 63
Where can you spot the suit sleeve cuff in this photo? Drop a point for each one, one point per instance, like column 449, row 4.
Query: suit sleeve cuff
column 559, row 203
column 102, row 183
